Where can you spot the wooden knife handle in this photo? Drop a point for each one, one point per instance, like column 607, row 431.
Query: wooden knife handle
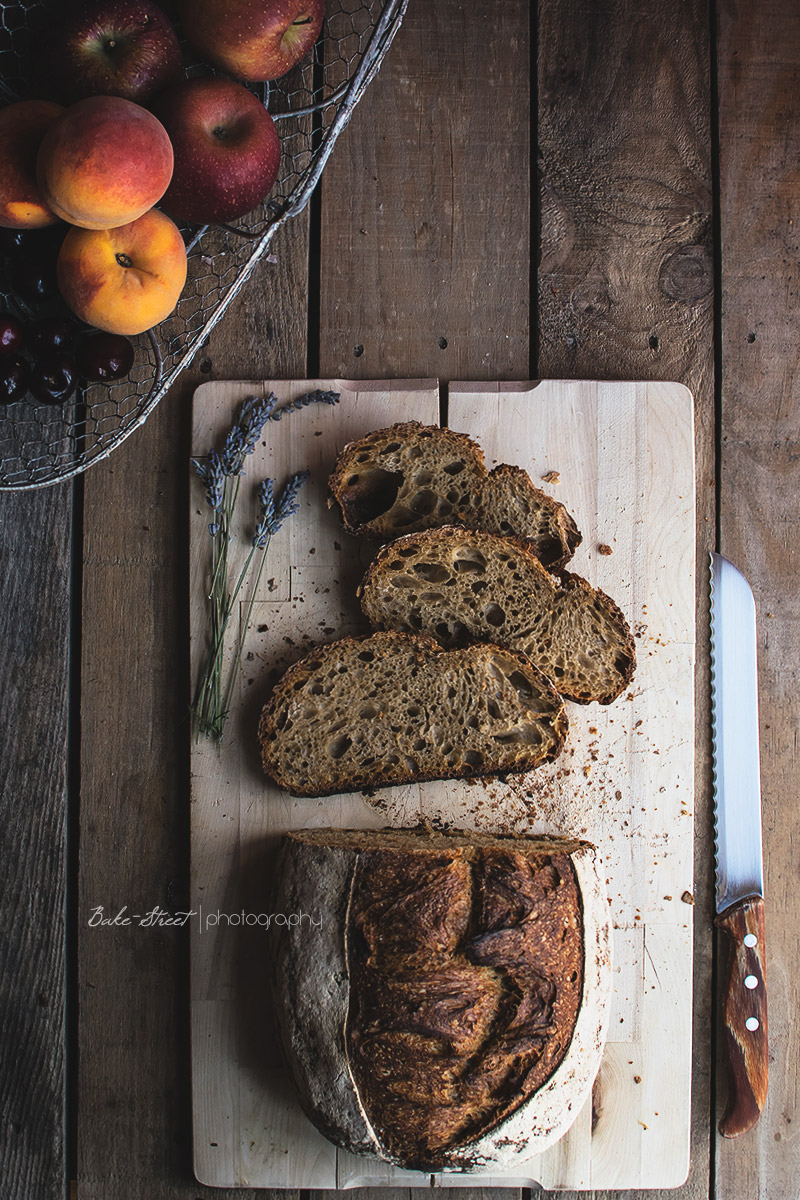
column 744, row 1012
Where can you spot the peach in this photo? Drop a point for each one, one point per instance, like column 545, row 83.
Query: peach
column 22, row 127
column 124, row 280
column 104, row 163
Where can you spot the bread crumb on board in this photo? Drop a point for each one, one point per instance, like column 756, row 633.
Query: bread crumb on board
column 551, row 477
column 604, row 548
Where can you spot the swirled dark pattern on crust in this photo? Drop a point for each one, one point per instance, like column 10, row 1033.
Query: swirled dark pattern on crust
column 466, row 972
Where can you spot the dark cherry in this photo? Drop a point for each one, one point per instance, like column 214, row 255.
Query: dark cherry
column 14, row 243
column 104, row 356
column 53, row 335
column 12, row 334
column 14, row 378
column 39, row 245
column 34, row 281
column 53, row 380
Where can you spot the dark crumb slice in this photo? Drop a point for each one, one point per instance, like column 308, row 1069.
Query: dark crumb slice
column 411, row 477
column 461, row 586
column 394, row 708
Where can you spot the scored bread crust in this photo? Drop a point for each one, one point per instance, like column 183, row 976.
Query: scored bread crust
column 491, row 493
column 372, row 589
column 312, row 999
column 384, row 643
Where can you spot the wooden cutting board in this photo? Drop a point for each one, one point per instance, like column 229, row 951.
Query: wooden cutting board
column 624, row 457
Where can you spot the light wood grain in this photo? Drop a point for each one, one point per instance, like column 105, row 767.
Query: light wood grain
column 759, row 125
column 624, row 454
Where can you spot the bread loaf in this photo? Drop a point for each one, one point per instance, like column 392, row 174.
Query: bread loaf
column 459, row 585
column 394, row 708
column 412, row 476
column 449, row 1009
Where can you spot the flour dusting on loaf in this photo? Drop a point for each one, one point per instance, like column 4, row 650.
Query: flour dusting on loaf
column 461, row 982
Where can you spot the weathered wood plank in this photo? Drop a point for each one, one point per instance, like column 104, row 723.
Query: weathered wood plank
column 426, row 205
column 759, row 130
column 625, row 286
column 134, row 1121
column 35, row 550
column 425, row 234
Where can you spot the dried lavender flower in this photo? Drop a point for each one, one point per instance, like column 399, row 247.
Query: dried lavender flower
column 213, row 697
column 317, row 397
column 256, row 411
column 273, row 515
column 243, row 435
column 232, row 456
column 287, row 505
column 212, row 475
column 266, row 496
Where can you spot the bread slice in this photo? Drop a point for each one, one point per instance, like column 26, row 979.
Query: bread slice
column 444, row 1003
column 394, row 708
column 411, row 476
column 461, row 585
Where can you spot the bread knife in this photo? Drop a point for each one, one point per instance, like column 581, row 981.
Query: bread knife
column 737, row 829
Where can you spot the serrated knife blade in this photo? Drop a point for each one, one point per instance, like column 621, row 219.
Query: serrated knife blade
column 734, row 699
column 737, row 827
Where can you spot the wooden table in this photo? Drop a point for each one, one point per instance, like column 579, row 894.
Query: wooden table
column 658, row 241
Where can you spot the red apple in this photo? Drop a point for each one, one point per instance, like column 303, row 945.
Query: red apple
column 253, row 39
column 112, row 48
column 227, row 151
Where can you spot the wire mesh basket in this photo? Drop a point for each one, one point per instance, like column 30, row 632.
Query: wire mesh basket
column 41, row 444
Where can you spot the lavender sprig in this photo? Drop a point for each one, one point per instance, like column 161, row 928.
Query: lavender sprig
column 266, row 522
column 232, row 456
column 220, row 475
column 212, row 476
column 317, row 397
column 274, row 515
column 244, row 434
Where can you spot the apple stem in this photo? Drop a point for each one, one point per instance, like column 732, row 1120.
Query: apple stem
column 124, row 260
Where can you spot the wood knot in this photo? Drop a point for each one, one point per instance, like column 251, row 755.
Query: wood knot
column 687, row 274
column 557, row 236
column 591, row 299
column 597, row 1103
